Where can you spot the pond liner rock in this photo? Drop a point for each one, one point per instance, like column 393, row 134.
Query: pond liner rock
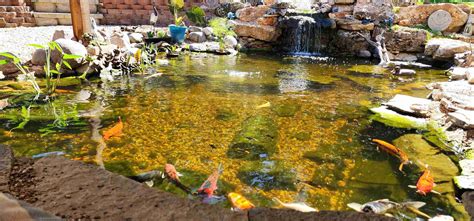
column 75, row 190
column 257, row 138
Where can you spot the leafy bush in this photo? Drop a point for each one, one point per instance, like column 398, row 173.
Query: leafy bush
column 221, row 28
column 175, row 7
column 197, row 16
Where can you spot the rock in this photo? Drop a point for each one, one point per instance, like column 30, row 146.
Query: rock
column 418, row 14
column 93, row 50
column 405, row 104
column 457, row 73
column 249, row 14
column 467, row 167
column 445, row 49
column 8, row 68
column 198, row 47
column 408, row 72
column 405, row 39
column 223, row 9
column 6, row 163
column 256, row 139
column 405, row 57
column 394, row 119
column 364, row 54
column 268, row 175
column 354, row 25
column 470, row 75
column 86, row 69
column 69, row 47
column 135, row 37
column 195, row 29
column 463, row 118
column 455, row 87
column 349, row 42
column 376, row 10
column 121, row 40
column 441, row 166
column 39, row 57
column 441, row 218
column 62, row 34
column 464, row 182
column 439, row 20
column 197, row 37
column 208, row 31
column 271, row 20
column 230, row 41
column 259, row 32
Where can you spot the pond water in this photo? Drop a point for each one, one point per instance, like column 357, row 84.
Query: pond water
column 307, row 119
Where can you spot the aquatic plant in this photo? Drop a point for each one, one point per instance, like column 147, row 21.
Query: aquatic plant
column 221, row 28
column 175, row 6
column 197, row 16
column 51, row 80
column 24, row 117
column 25, row 75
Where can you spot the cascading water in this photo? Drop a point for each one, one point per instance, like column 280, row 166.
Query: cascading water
column 304, row 34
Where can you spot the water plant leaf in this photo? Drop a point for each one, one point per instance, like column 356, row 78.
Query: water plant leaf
column 53, row 45
column 2, row 62
column 67, row 65
column 71, row 56
column 15, row 59
column 36, row 46
column 58, row 66
column 54, row 72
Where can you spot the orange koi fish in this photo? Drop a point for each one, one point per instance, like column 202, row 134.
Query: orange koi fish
column 115, row 131
column 171, row 173
column 425, row 183
column 393, row 150
column 240, row 202
column 210, row 185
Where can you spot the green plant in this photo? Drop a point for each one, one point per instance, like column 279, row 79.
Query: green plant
column 51, row 79
column 161, row 34
column 221, row 28
column 175, row 7
column 66, row 116
column 197, row 16
column 25, row 75
column 24, row 118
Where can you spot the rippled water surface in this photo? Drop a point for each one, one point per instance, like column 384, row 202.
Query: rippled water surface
column 313, row 114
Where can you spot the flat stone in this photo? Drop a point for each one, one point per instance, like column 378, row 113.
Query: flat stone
column 467, row 167
column 463, row 118
column 457, row 73
column 197, row 37
column 354, row 25
column 439, row 20
column 135, row 37
column 404, row 104
column 464, row 182
column 249, row 14
column 260, row 32
column 456, row 87
column 394, row 119
column 197, row 47
column 470, row 75
column 445, row 49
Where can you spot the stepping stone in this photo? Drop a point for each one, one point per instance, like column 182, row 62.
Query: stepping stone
column 405, row 104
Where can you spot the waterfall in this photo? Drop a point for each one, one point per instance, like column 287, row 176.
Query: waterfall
column 304, row 35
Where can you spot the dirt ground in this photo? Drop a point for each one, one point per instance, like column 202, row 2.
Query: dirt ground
column 73, row 190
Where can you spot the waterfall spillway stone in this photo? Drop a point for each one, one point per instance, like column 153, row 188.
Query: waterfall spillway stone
column 304, row 34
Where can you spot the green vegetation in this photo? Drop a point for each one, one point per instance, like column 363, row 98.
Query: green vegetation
column 175, row 7
column 197, row 16
column 221, row 28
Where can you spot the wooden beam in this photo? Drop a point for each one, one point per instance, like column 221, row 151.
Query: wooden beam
column 80, row 17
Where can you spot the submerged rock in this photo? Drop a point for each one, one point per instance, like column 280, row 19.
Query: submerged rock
column 268, row 175
column 256, row 139
column 286, row 109
column 394, row 119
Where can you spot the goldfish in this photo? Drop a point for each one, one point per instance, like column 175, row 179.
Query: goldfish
column 393, row 150
column 115, row 131
column 171, row 173
column 210, row 185
column 240, row 202
column 298, row 206
column 385, row 206
column 425, row 183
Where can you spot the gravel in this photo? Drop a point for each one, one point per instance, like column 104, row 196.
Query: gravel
column 16, row 40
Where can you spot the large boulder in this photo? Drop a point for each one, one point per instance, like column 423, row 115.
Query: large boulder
column 252, row 13
column 39, row 57
column 379, row 10
column 405, row 39
column 197, row 37
column 9, row 69
column 260, row 32
column 223, row 9
column 354, row 25
column 445, row 49
column 419, row 14
column 69, row 47
column 349, row 42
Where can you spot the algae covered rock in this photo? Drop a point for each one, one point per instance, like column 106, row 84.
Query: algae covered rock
column 286, row 109
column 394, row 119
column 257, row 137
column 268, row 175
column 421, row 152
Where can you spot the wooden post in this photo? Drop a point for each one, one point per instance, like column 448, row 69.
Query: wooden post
column 80, row 17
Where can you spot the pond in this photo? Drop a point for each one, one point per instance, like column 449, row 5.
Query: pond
column 293, row 128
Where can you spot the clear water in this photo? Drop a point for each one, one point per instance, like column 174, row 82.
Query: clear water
column 190, row 115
